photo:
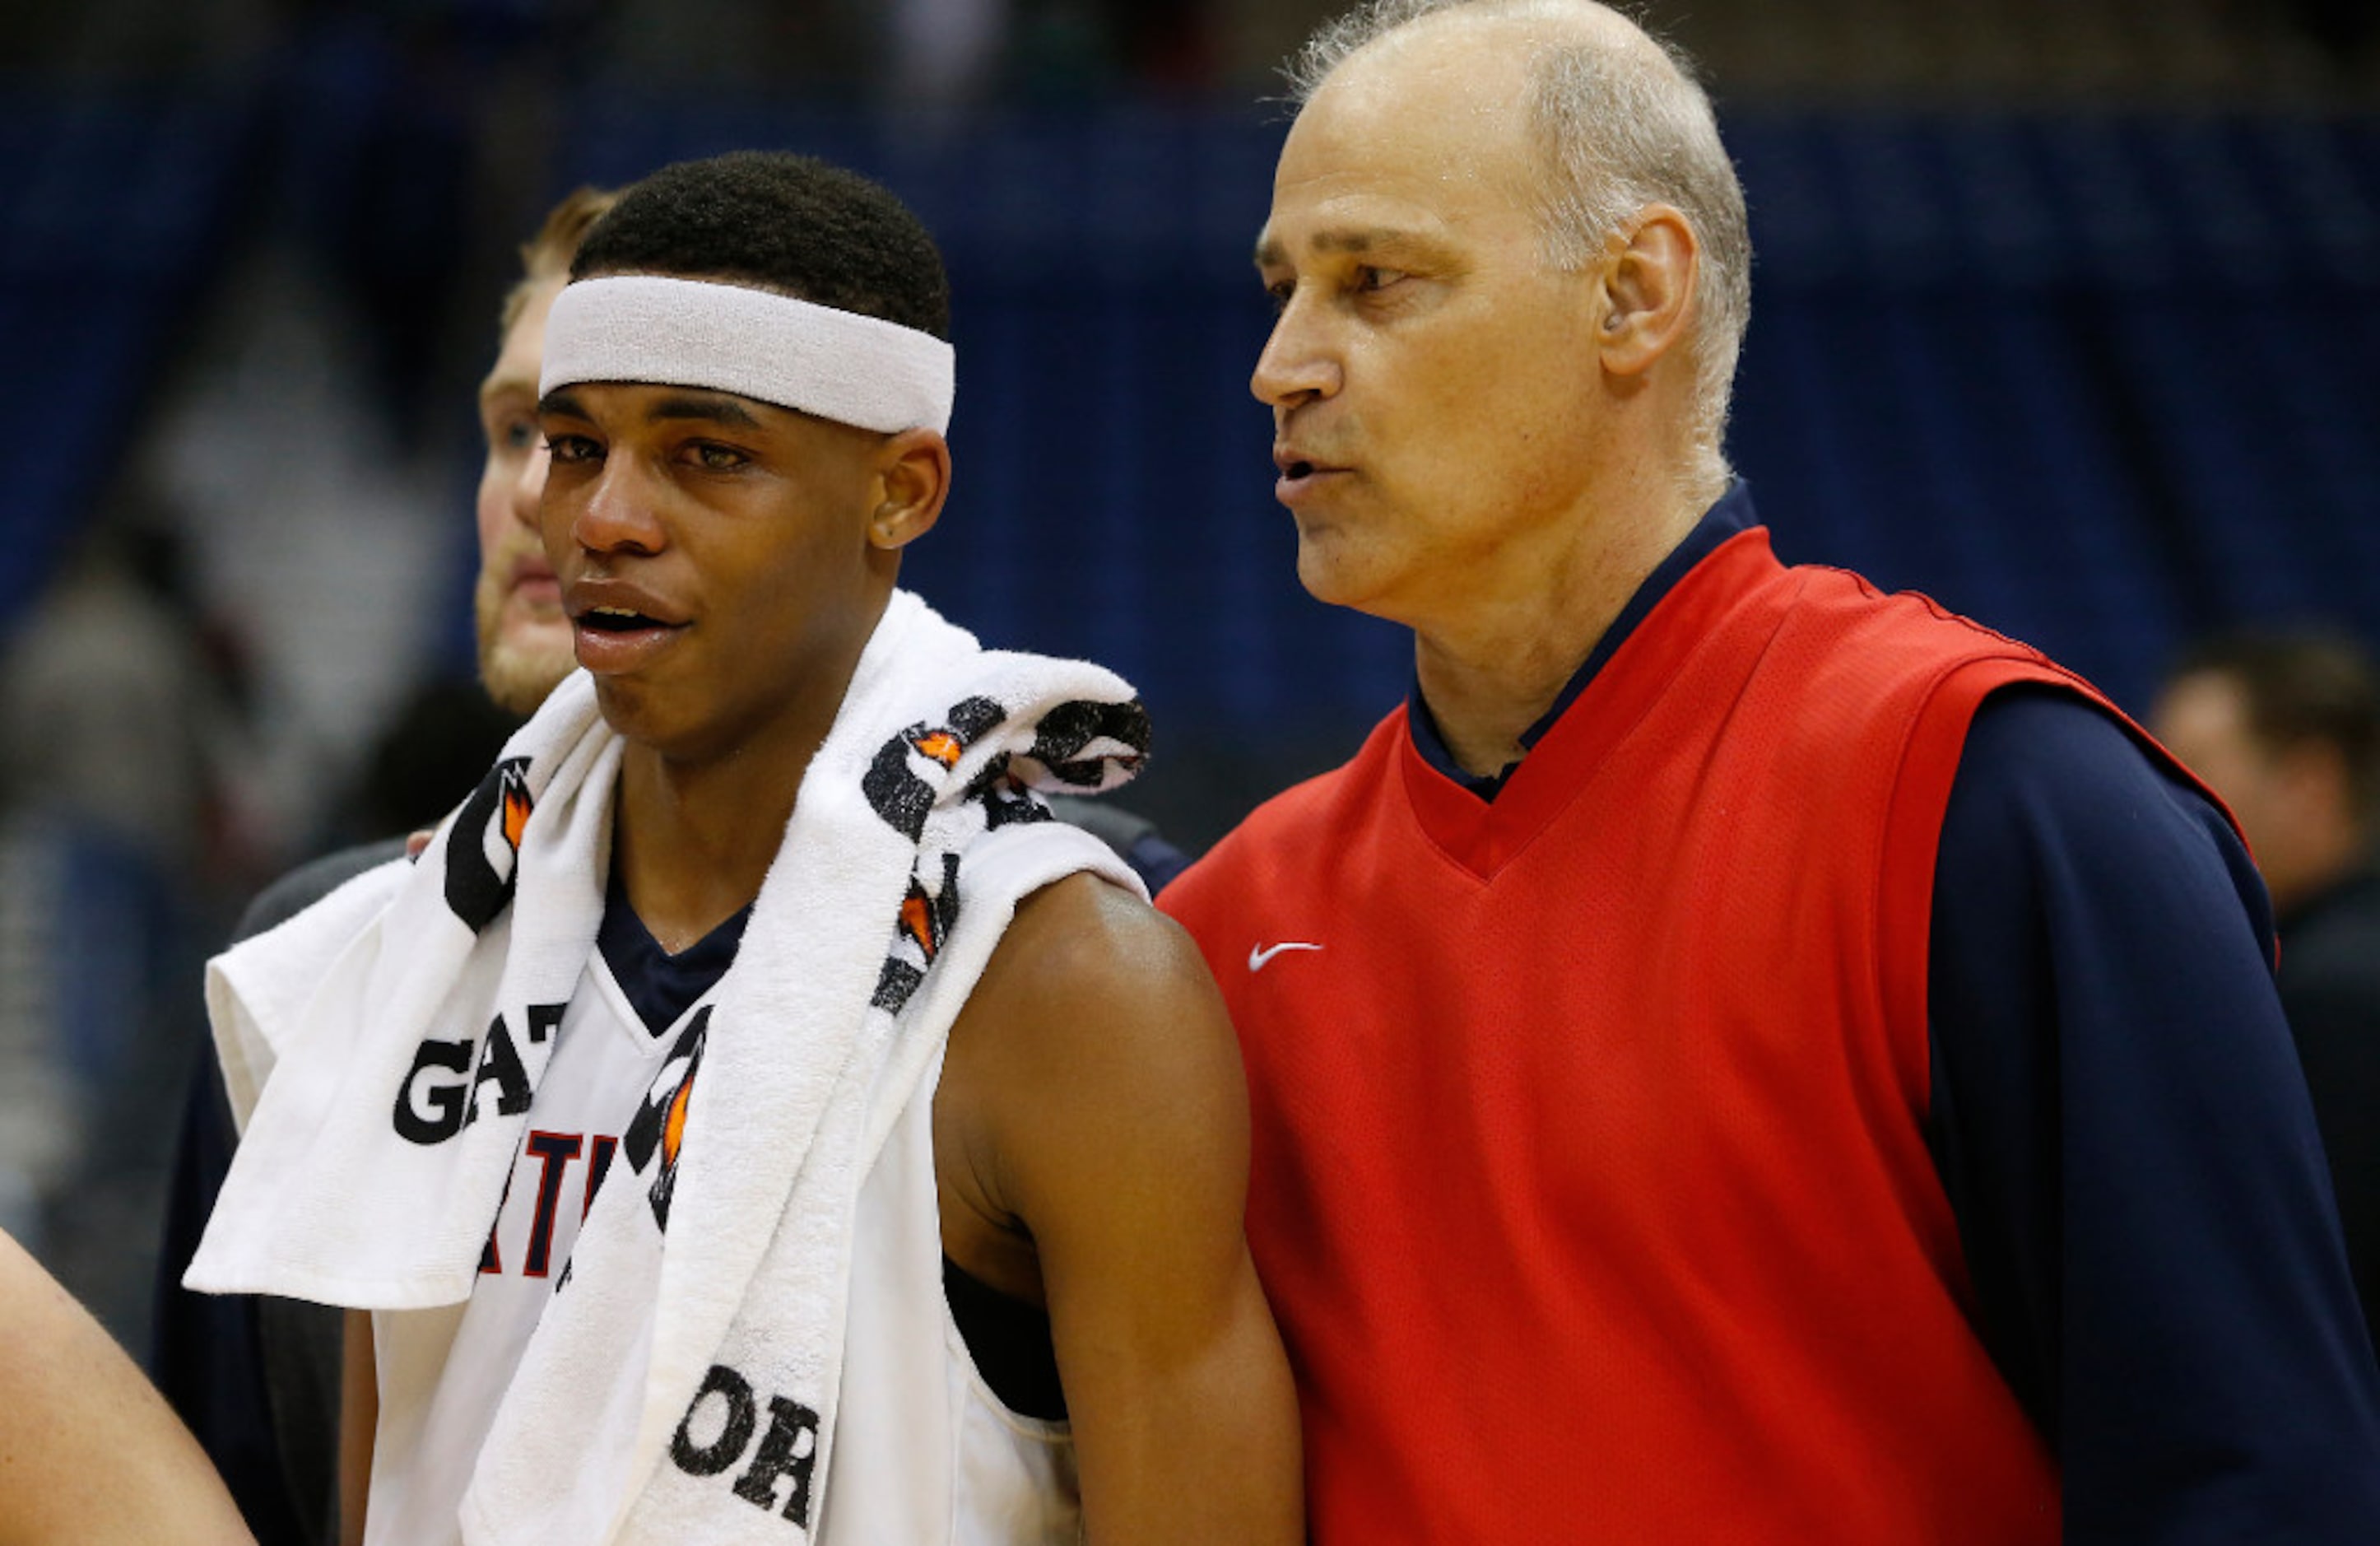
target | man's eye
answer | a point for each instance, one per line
(572, 448)
(718, 459)
(1280, 290)
(514, 432)
(1369, 278)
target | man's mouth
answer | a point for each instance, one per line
(1301, 476)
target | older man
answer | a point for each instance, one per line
(1737, 1056)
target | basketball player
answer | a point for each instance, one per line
(257, 1378)
(725, 543)
(1736, 1056)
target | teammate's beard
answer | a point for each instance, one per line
(518, 669)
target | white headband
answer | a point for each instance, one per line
(854, 369)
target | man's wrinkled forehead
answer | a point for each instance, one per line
(1390, 152)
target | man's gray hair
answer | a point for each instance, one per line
(1620, 128)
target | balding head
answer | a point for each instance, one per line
(1619, 124)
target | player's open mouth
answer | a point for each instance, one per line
(607, 619)
(615, 633)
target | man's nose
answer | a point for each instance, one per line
(1297, 362)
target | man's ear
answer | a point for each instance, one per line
(913, 478)
(1648, 286)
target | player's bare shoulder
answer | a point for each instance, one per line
(1095, 1037)
(1089, 975)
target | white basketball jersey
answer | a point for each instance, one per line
(1005, 1478)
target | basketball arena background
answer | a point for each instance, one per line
(2065, 311)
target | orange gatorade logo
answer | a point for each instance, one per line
(515, 794)
(656, 1138)
(484, 847)
(941, 745)
(898, 782)
(673, 1125)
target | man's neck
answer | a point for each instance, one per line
(1491, 670)
(690, 844)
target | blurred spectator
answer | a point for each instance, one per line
(947, 50)
(111, 724)
(107, 698)
(2286, 729)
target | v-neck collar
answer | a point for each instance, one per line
(1732, 516)
(1603, 705)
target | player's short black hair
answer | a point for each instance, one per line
(784, 222)
(2300, 686)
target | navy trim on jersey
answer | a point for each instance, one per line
(2121, 1127)
(658, 985)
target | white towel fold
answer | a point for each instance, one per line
(389, 1037)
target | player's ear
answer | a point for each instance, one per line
(913, 479)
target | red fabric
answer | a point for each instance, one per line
(1589, 1181)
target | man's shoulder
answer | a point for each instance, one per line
(310, 883)
(1880, 635)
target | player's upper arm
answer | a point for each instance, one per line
(1110, 1120)
(90, 1453)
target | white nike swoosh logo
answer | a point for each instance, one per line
(1258, 957)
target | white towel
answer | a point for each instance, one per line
(388, 1042)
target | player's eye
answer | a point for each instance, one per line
(1371, 279)
(567, 449)
(714, 457)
